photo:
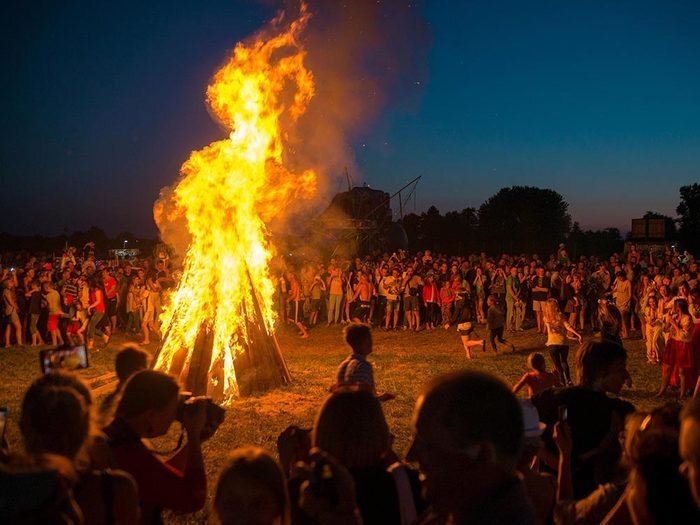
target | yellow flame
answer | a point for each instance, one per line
(228, 191)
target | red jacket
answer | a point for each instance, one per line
(160, 485)
(431, 293)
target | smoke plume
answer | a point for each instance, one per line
(365, 55)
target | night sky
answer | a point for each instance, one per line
(599, 100)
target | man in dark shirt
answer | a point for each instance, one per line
(467, 438)
(495, 321)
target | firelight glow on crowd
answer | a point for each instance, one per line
(551, 457)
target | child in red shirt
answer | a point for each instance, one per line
(537, 379)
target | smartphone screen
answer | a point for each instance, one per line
(3, 421)
(66, 358)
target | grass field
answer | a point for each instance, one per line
(403, 362)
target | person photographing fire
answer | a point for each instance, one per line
(150, 403)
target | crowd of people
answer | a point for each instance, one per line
(571, 455)
(648, 294)
(652, 295)
(78, 299)
(572, 452)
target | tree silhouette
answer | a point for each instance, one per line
(689, 217)
(524, 219)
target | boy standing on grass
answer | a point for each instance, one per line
(355, 370)
(496, 321)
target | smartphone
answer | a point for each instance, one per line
(65, 357)
(563, 413)
(3, 421)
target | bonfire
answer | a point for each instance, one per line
(218, 328)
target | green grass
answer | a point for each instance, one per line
(403, 363)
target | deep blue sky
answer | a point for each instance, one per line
(599, 100)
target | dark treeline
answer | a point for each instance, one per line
(519, 219)
(41, 244)
(524, 219)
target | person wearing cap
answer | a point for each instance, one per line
(540, 487)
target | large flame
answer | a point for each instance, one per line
(228, 191)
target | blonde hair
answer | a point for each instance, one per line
(552, 312)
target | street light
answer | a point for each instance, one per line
(125, 242)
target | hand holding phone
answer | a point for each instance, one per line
(66, 358)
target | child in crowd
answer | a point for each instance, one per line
(537, 379)
(466, 330)
(496, 321)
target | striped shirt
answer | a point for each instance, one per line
(355, 369)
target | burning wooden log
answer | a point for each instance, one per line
(259, 367)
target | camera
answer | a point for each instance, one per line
(214, 413)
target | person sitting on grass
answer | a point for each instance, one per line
(466, 330)
(537, 379)
(496, 321)
(355, 370)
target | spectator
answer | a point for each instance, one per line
(495, 322)
(11, 310)
(557, 328)
(622, 295)
(467, 439)
(541, 487)
(657, 492)
(147, 408)
(678, 357)
(595, 419)
(466, 331)
(537, 380)
(251, 490)
(55, 421)
(35, 297)
(96, 309)
(610, 322)
(539, 294)
(689, 447)
(352, 429)
(431, 300)
(355, 370)
(53, 302)
(129, 360)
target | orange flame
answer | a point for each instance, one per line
(227, 193)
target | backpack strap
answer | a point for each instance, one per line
(407, 504)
